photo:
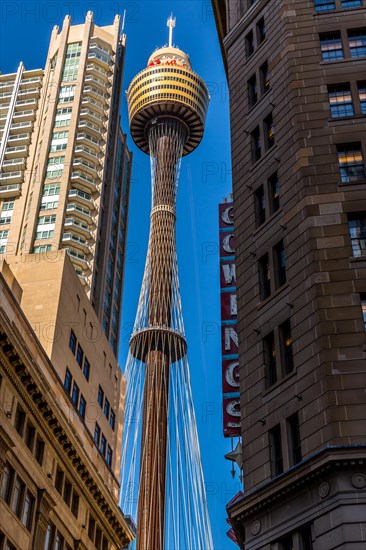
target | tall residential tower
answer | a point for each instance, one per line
(296, 72)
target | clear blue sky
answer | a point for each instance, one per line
(205, 180)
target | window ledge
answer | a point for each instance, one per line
(267, 221)
(273, 295)
(359, 261)
(279, 382)
(353, 186)
(346, 60)
(265, 155)
(346, 118)
(259, 100)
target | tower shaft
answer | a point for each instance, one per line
(166, 139)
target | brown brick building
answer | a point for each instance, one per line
(296, 72)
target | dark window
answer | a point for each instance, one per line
(269, 131)
(86, 369)
(261, 30)
(357, 231)
(20, 421)
(275, 446)
(286, 543)
(59, 480)
(260, 212)
(331, 46)
(107, 408)
(72, 342)
(68, 381)
(75, 504)
(274, 193)
(109, 456)
(104, 543)
(249, 43)
(324, 5)
(294, 440)
(264, 78)
(100, 396)
(306, 538)
(39, 452)
(286, 347)
(91, 528)
(363, 308)
(98, 538)
(351, 164)
(97, 435)
(80, 355)
(67, 492)
(112, 420)
(50, 537)
(82, 407)
(18, 496)
(279, 259)
(30, 435)
(252, 90)
(362, 96)
(7, 483)
(103, 445)
(264, 277)
(357, 42)
(256, 144)
(340, 100)
(269, 351)
(75, 394)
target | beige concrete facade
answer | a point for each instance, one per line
(74, 192)
(57, 490)
(296, 76)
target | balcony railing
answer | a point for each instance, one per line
(9, 191)
(15, 177)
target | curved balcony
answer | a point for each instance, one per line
(14, 128)
(25, 103)
(22, 116)
(82, 213)
(80, 227)
(94, 92)
(88, 170)
(96, 129)
(78, 258)
(19, 139)
(95, 80)
(91, 115)
(88, 139)
(82, 198)
(85, 181)
(87, 153)
(98, 59)
(11, 177)
(77, 241)
(11, 164)
(93, 68)
(94, 104)
(12, 152)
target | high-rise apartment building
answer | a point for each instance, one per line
(296, 73)
(65, 166)
(63, 215)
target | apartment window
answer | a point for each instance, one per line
(357, 42)
(112, 420)
(357, 231)
(75, 504)
(80, 355)
(256, 144)
(294, 440)
(100, 396)
(7, 483)
(362, 96)
(75, 394)
(30, 435)
(340, 100)
(59, 480)
(18, 495)
(97, 435)
(274, 193)
(72, 342)
(264, 78)
(86, 368)
(42, 249)
(91, 528)
(286, 543)
(82, 407)
(27, 517)
(331, 46)
(109, 456)
(68, 381)
(306, 538)
(252, 90)
(3, 240)
(269, 131)
(261, 30)
(106, 408)
(103, 445)
(269, 352)
(351, 164)
(363, 309)
(279, 258)
(260, 212)
(20, 421)
(322, 6)
(264, 277)
(6, 212)
(39, 451)
(275, 445)
(249, 43)
(351, 4)
(286, 347)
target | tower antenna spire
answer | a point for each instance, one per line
(171, 24)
